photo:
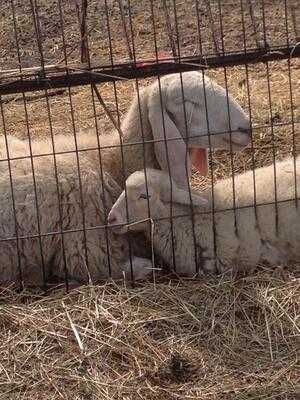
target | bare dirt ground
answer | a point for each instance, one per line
(216, 339)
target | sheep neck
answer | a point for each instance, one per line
(131, 153)
(174, 242)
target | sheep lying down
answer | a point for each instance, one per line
(52, 218)
(40, 209)
(242, 239)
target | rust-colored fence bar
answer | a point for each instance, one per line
(147, 69)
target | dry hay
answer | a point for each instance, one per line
(225, 338)
(230, 34)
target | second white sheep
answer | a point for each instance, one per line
(217, 241)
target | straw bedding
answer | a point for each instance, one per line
(223, 338)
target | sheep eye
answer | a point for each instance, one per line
(145, 196)
(192, 102)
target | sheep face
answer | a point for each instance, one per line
(209, 116)
(191, 112)
(148, 196)
(135, 206)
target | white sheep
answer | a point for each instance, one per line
(234, 240)
(88, 256)
(69, 184)
(208, 117)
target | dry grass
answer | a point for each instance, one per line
(216, 339)
(186, 26)
(224, 338)
(265, 141)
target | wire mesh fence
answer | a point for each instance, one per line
(84, 104)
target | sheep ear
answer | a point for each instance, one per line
(165, 131)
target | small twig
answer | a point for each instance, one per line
(76, 46)
(169, 29)
(37, 26)
(152, 251)
(81, 14)
(109, 114)
(93, 73)
(251, 6)
(34, 97)
(269, 336)
(52, 382)
(15, 72)
(130, 54)
(74, 329)
(212, 26)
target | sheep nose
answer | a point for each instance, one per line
(111, 218)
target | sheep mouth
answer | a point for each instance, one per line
(198, 157)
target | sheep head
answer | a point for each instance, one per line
(148, 195)
(190, 113)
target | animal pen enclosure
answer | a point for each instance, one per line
(72, 68)
(54, 55)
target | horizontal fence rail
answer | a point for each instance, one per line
(56, 77)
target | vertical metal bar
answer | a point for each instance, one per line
(212, 26)
(120, 137)
(36, 21)
(291, 102)
(130, 54)
(56, 178)
(140, 114)
(187, 138)
(75, 139)
(213, 208)
(229, 123)
(66, 280)
(251, 6)
(82, 12)
(271, 125)
(28, 130)
(197, 6)
(106, 209)
(20, 280)
(101, 178)
(169, 29)
(250, 113)
(165, 141)
(214, 229)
